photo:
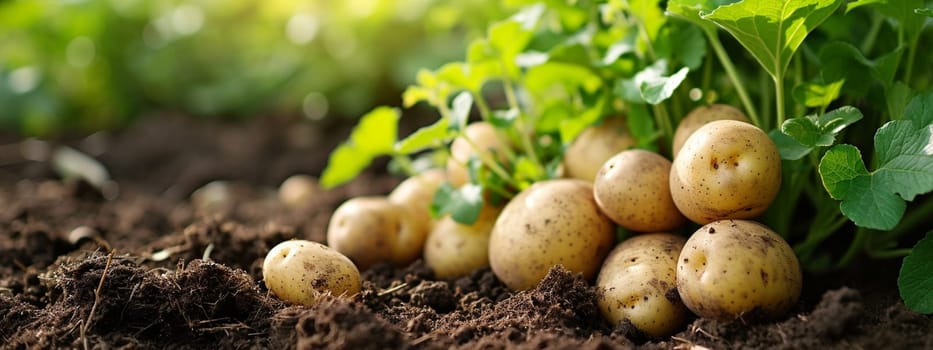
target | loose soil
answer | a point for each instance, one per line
(146, 268)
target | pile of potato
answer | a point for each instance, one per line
(725, 171)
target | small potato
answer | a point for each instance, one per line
(633, 189)
(455, 250)
(300, 272)
(594, 146)
(298, 190)
(417, 193)
(701, 116)
(369, 230)
(484, 137)
(731, 267)
(554, 222)
(636, 283)
(726, 170)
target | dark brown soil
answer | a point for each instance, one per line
(149, 269)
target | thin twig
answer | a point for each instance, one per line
(100, 286)
(393, 289)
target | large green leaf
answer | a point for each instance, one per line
(772, 30)
(915, 281)
(904, 154)
(374, 136)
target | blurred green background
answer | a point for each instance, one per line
(82, 65)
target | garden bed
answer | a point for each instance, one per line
(149, 269)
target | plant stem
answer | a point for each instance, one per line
(855, 247)
(664, 121)
(869, 42)
(484, 113)
(917, 216)
(911, 54)
(734, 76)
(405, 163)
(779, 96)
(524, 133)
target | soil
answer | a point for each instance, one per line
(142, 266)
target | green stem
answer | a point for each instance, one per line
(405, 163)
(485, 113)
(524, 133)
(889, 254)
(855, 247)
(734, 76)
(869, 42)
(911, 54)
(779, 96)
(708, 74)
(799, 109)
(664, 121)
(916, 217)
(484, 156)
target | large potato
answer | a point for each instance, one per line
(726, 170)
(633, 189)
(554, 222)
(417, 193)
(701, 116)
(594, 146)
(300, 272)
(637, 281)
(483, 135)
(731, 267)
(455, 250)
(369, 230)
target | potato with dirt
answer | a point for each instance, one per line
(594, 146)
(479, 140)
(633, 189)
(638, 283)
(300, 272)
(730, 268)
(553, 222)
(726, 170)
(455, 250)
(372, 229)
(701, 116)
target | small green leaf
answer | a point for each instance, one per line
(426, 137)
(460, 110)
(654, 87)
(772, 30)
(414, 94)
(374, 136)
(915, 280)
(504, 119)
(812, 131)
(924, 12)
(842, 61)
(789, 148)
(690, 10)
(904, 152)
(463, 204)
(641, 124)
(818, 95)
(527, 171)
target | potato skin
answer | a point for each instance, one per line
(635, 281)
(484, 137)
(701, 116)
(416, 194)
(369, 230)
(594, 146)
(633, 189)
(726, 170)
(552, 222)
(455, 250)
(731, 267)
(300, 272)
(298, 190)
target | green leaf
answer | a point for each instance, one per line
(649, 13)
(460, 110)
(787, 146)
(772, 30)
(425, 137)
(691, 10)
(902, 11)
(528, 172)
(915, 280)
(896, 98)
(504, 119)
(924, 12)
(641, 124)
(842, 61)
(374, 136)
(904, 152)
(655, 87)
(463, 204)
(812, 131)
(816, 94)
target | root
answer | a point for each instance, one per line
(100, 286)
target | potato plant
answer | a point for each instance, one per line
(538, 80)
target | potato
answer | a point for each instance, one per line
(726, 170)
(633, 189)
(483, 135)
(300, 272)
(594, 146)
(417, 193)
(369, 230)
(298, 190)
(455, 250)
(701, 116)
(553, 222)
(636, 284)
(729, 268)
